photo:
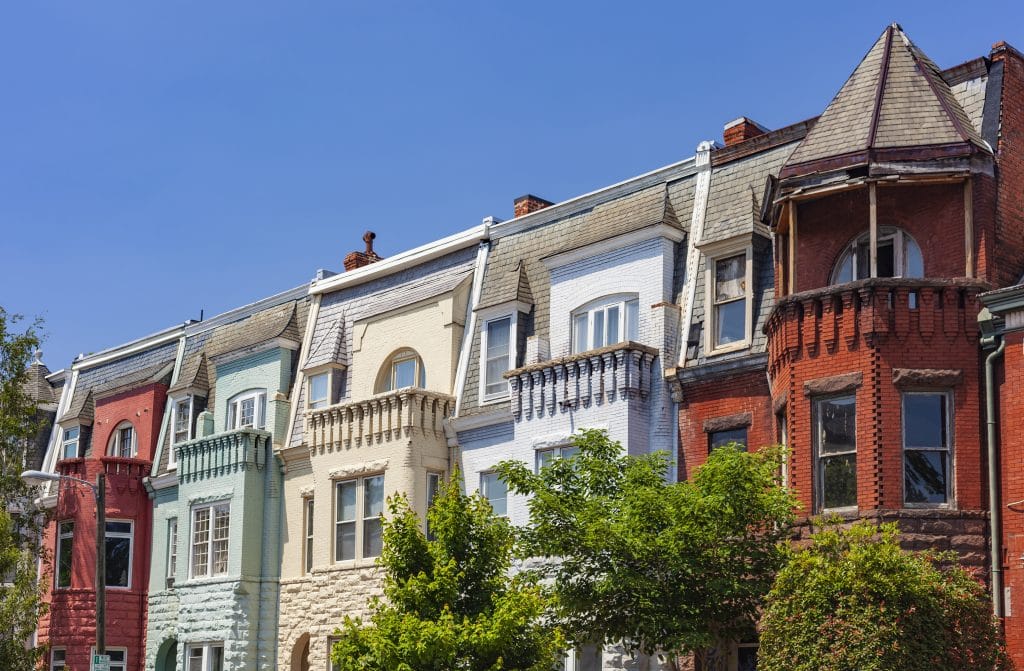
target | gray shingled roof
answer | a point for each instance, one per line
(277, 322)
(328, 347)
(36, 385)
(914, 106)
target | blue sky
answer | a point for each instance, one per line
(159, 159)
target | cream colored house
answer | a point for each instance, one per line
(376, 383)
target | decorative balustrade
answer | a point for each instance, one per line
(620, 371)
(382, 418)
(222, 454)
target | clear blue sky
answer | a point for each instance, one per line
(159, 158)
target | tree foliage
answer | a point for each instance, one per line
(20, 592)
(654, 565)
(854, 600)
(450, 602)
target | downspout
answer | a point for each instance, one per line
(993, 481)
(700, 207)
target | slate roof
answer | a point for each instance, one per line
(895, 98)
(37, 387)
(328, 347)
(280, 321)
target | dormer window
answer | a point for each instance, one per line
(122, 441)
(898, 256)
(606, 321)
(402, 369)
(247, 410)
(70, 442)
(319, 390)
(730, 300)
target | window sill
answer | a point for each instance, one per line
(492, 400)
(728, 349)
(345, 564)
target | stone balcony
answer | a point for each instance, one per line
(616, 372)
(383, 418)
(222, 454)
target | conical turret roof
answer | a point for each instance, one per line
(894, 107)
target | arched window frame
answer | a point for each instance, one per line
(388, 377)
(123, 441)
(857, 254)
(238, 410)
(597, 314)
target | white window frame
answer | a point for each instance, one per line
(331, 666)
(360, 519)
(484, 475)
(172, 550)
(307, 534)
(885, 233)
(67, 441)
(948, 449)
(189, 432)
(601, 305)
(259, 398)
(556, 451)
(213, 508)
(114, 447)
(713, 254)
(114, 665)
(317, 403)
(58, 664)
(130, 535)
(61, 536)
(819, 470)
(434, 479)
(206, 647)
(498, 396)
(387, 378)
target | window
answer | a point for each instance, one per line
(118, 658)
(172, 550)
(497, 357)
(898, 256)
(182, 420)
(319, 390)
(729, 301)
(402, 369)
(206, 657)
(65, 536)
(494, 490)
(70, 450)
(605, 322)
(331, 664)
(719, 438)
(746, 657)
(308, 526)
(926, 448)
(122, 442)
(433, 487)
(836, 443)
(210, 527)
(248, 410)
(118, 539)
(545, 456)
(58, 659)
(350, 511)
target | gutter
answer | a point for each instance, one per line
(996, 522)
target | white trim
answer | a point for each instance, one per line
(130, 535)
(165, 420)
(736, 247)
(164, 481)
(402, 261)
(469, 333)
(114, 447)
(212, 506)
(206, 647)
(613, 244)
(56, 431)
(497, 397)
(480, 420)
(83, 362)
(300, 373)
(259, 417)
(700, 206)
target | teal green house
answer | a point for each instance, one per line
(216, 490)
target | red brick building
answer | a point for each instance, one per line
(109, 423)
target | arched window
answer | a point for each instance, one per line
(122, 441)
(404, 368)
(605, 321)
(898, 256)
(248, 410)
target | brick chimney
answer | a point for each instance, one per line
(529, 203)
(740, 130)
(355, 260)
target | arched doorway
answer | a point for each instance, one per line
(167, 656)
(300, 654)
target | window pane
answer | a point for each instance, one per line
(844, 271)
(345, 541)
(124, 442)
(497, 355)
(373, 496)
(247, 412)
(924, 420)
(886, 258)
(221, 529)
(495, 492)
(200, 541)
(837, 425)
(597, 332)
(730, 274)
(925, 476)
(172, 548)
(195, 659)
(569, 452)
(216, 658)
(839, 481)
(118, 557)
(346, 501)
(633, 320)
(498, 337)
(719, 438)
(182, 420)
(64, 554)
(119, 527)
(309, 535)
(863, 259)
(612, 329)
(544, 458)
(318, 391)
(405, 373)
(914, 262)
(731, 322)
(372, 540)
(495, 371)
(579, 330)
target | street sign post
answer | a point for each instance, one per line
(100, 663)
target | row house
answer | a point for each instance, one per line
(216, 489)
(108, 419)
(375, 385)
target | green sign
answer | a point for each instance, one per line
(100, 663)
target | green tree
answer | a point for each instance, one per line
(20, 592)
(854, 600)
(659, 567)
(450, 602)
